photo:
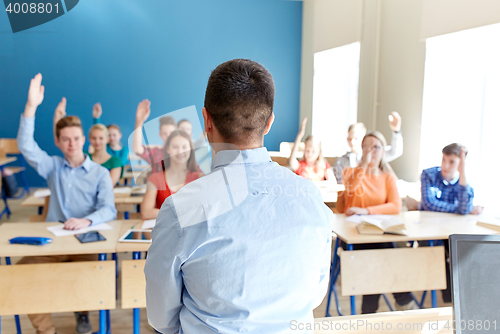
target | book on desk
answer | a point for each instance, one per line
(380, 224)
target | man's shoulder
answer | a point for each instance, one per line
(431, 173)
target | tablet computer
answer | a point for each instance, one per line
(136, 235)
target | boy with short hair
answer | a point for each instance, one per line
(81, 190)
(153, 155)
(445, 188)
(355, 135)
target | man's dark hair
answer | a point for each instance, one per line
(167, 120)
(454, 148)
(239, 99)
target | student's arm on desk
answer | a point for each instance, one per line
(465, 196)
(148, 206)
(34, 155)
(105, 209)
(163, 274)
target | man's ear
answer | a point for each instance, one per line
(207, 120)
(269, 124)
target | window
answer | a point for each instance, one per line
(462, 104)
(335, 96)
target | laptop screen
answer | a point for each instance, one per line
(475, 265)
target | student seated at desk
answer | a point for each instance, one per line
(81, 190)
(445, 188)
(356, 133)
(152, 155)
(179, 169)
(114, 147)
(371, 188)
(313, 166)
(99, 138)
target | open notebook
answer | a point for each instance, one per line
(378, 224)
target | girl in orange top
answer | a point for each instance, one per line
(313, 166)
(371, 189)
(179, 169)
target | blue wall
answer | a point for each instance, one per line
(119, 52)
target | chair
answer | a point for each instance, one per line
(8, 146)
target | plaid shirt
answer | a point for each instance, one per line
(442, 196)
(153, 156)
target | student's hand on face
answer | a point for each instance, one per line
(302, 130)
(143, 111)
(356, 211)
(395, 121)
(76, 223)
(477, 210)
(60, 110)
(97, 110)
(366, 159)
(35, 92)
(461, 165)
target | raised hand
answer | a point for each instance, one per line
(97, 110)
(60, 110)
(143, 111)
(35, 96)
(302, 130)
(461, 165)
(395, 121)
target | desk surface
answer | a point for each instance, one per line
(8, 160)
(38, 202)
(435, 321)
(420, 225)
(67, 245)
(131, 246)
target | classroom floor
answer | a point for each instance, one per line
(121, 320)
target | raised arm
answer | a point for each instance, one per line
(34, 155)
(396, 149)
(59, 114)
(97, 113)
(292, 161)
(141, 115)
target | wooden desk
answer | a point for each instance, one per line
(435, 321)
(420, 225)
(133, 280)
(57, 287)
(429, 226)
(59, 246)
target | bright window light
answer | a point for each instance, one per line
(462, 104)
(335, 96)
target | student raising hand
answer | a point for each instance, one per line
(35, 96)
(395, 121)
(97, 110)
(143, 111)
(59, 114)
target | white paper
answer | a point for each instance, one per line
(41, 193)
(122, 190)
(148, 223)
(59, 231)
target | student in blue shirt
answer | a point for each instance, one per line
(81, 190)
(245, 248)
(445, 188)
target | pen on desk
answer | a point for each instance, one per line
(61, 221)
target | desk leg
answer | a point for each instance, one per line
(40, 210)
(353, 298)
(102, 313)
(126, 215)
(333, 279)
(433, 292)
(137, 314)
(18, 322)
(6, 210)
